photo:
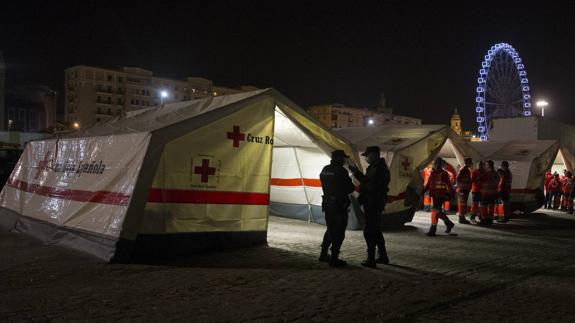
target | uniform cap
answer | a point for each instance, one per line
(338, 154)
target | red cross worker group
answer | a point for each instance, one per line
(490, 191)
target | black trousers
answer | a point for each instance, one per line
(336, 221)
(372, 230)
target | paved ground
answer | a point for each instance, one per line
(520, 271)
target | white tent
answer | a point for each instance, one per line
(408, 150)
(528, 162)
(188, 176)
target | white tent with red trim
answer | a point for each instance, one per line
(407, 151)
(528, 162)
(187, 176)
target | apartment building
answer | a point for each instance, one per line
(341, 116)
(94, 94)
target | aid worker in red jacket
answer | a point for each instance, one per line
(440, 189)
(504, 190)
(489, 193)
(463, 187)
(476, 177)
(567, 187)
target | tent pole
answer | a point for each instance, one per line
(310, 216)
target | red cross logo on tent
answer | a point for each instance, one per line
(405, 163)
(205, 170)
(237, 136)
(42, 165)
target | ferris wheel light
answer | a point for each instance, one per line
(481, 129)
(490, 52)
(527, 113)
(485, 64)
(520, 66)
(527, 105)
(482, 71)
(522, 73)
(483, 138)
(479, 99)
(517, 60)
(479, 89)
(524, 81)
(526, 97)
(479, 109)
(480, 80)
(525, 88)
(479, 119)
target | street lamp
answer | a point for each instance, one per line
(163, 95)
(542, 104)
(76, 125)
(370, 122)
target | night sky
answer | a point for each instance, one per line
(423, 55)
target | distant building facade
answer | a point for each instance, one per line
(94, 94)
(31, 108)
(458, 129)
(341, 116)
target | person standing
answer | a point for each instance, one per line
(336, 185)
(504, 190)
(567, 188)
(463, 187)
(488, 193)
(440, 189)
(373, 190)
(476, 178)
(548, 195)
(555, 189)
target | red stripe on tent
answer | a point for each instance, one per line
(103, 197)
(157, 195)
(311, 182)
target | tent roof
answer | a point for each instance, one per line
(388, 138)
(513, 150)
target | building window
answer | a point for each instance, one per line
(99, 100)
(120, 79)
(109, 100)
(119, 101)
(131, 101)
(109, 111)
(97, 119)
(109, 89)
(137, 102)
(109, 78)
(333, 116)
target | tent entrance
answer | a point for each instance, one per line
(295, 189)
(559, 164)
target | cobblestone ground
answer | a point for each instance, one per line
(520, 271)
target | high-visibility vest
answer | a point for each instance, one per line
(567, 185)
(505, 182)
(489, 184)
(555, 186)
(464, 180)
(476, 179)
(439, 184)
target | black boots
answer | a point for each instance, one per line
(335, 262)
(449, 225)
(370, 261)
(324, 256)
(462, 220)
(383, 258)
(432, 230)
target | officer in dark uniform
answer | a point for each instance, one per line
(373, 195)
(336, 185)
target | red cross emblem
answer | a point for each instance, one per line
(205, 170)
(237, 136)
(43, 165)
(405, 163)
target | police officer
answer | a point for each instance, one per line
(336, 185)
(373, 195)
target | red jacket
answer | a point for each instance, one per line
(567, 185)
(464, 180)
(505, 180)
(489, 184)
(439, 184)
(555, 185)
(476, 179)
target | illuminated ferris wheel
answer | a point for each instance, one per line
(502, 88)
